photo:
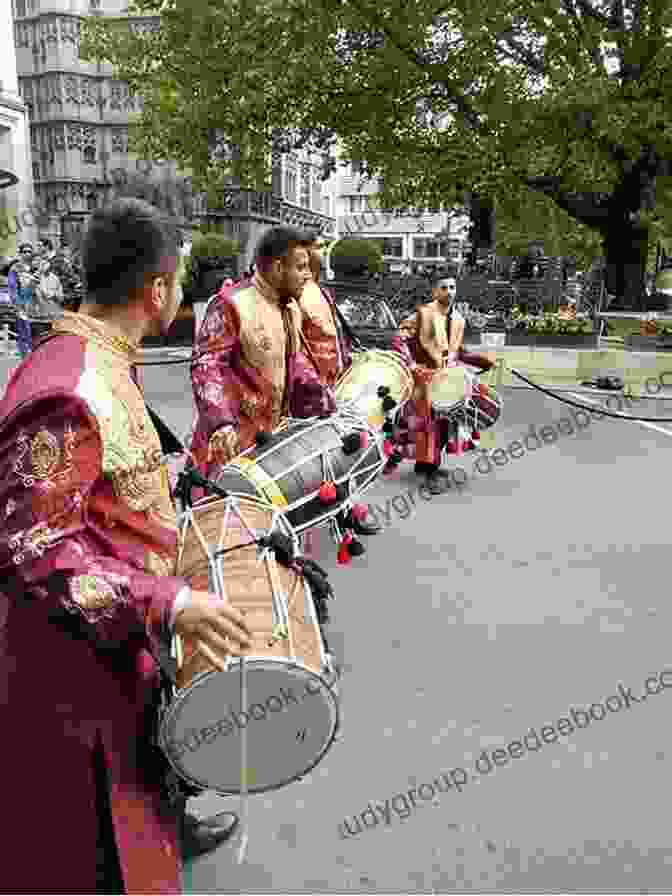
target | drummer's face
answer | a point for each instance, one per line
(295, 273)
(445, 291)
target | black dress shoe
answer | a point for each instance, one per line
(434, 484)
(361, 528)
(201, 835)
(348, 521)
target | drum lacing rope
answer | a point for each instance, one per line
(592, 409)
(283, 548)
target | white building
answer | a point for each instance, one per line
(16, 183)
(410, 237)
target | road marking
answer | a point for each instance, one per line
(644, 423)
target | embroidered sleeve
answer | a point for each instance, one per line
(50, 548)
(217, 381)
(309, 397)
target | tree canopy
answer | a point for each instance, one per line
(570, 99)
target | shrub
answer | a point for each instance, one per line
(356, 258)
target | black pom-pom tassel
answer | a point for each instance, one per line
(383, 391)
(281, 545)
(351, 443)
(262, 438)
(356, 548)
(388, 403)
(342, 492)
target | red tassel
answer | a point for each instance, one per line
(451, 447)
(388, 448)
(344, 557)
(364, 440)
(360, 512)
(468, 445)
(476, 436)
(327, 492)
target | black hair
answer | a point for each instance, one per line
(124, 242)
(278, 242)
(25, 246)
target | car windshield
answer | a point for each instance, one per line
(367, 312)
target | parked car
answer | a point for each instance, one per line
(370, 320)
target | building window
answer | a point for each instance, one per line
(393, 247)
(357, 204)
(36, 171)
(90, 155)
(290, 186)
(305, 186)
(429, 248)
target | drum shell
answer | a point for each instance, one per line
(303, 443)
(254, 584)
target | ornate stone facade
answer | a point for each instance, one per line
(79, 116)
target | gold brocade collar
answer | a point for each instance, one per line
(94, 330)
(269, 292)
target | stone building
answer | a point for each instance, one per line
(16, 183)
(79, 117)
(411, 238)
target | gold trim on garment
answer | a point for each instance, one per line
(94, 330)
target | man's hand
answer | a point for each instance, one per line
(223, 445)
(219, 629)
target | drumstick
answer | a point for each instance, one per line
(244, 770)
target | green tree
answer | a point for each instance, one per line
(568, 98)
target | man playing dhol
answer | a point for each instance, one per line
(248, 370)
(330, 347)
(88, 599)
(429, 339)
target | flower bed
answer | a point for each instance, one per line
(541, 330)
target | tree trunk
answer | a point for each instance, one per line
(626, 247)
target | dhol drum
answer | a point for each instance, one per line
(289, 470)
(449, 389)
(270, 718)
(357, 388)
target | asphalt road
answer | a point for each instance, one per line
(532, 590)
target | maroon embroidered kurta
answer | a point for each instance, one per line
(248, 370)
(88, 539)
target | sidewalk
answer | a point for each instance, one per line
(568, 367)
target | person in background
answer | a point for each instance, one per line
(22, 282)
(329, 346)
(428, 340)
(49, 286)
(45, 249)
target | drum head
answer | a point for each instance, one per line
(448, 388)
(291, 719)
(360, 383)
